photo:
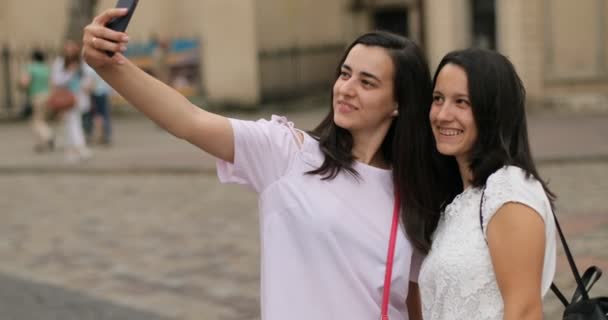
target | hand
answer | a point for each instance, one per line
(97, 39)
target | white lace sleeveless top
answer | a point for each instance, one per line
(457, 280)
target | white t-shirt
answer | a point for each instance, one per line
(323, 243)
(457, 280)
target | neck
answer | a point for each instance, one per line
(367, 148)
(465, 172)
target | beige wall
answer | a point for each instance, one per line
(3, 20)
(576, 75)
(605, 34)
(225, 29)
(285, 24)
(230, 50)
(554, 44)
(447, 26)
(559, 47)
(152, 17)
(519, 29)
(574, 37)
(26, 23)
(21, 34)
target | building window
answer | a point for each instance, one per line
(392, 19)
(484, 23)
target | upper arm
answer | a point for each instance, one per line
(212, 133)
(262, 151)
(516, 239)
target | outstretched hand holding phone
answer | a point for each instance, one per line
(159, 102)
(98, 40)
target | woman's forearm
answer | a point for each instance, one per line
(161, 103)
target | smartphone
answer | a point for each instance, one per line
(120, 23)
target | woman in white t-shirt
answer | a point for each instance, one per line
(493, 250)
(325, 197)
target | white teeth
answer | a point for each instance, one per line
(450, 132)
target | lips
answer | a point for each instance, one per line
(344, 106)
(449, 132)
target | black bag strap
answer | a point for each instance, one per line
(589, 278)
(581, 288)
(577, 276)
(559, 295)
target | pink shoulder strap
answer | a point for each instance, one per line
(390, 257)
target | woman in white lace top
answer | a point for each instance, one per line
(497, 261)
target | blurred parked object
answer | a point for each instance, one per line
(175, 62)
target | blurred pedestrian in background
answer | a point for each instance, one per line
(97, 122)
(35, 80)
(68, 71)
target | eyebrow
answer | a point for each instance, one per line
(459, 95)
(363, 73)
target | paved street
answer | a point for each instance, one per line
(144, 230)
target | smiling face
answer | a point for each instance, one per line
(451, 114)
(363, 95)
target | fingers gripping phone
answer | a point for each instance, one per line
(120, 23)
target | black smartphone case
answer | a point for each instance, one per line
(120, 24)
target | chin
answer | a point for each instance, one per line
(341, 122)
(447, 150)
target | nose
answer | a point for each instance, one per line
(445, 112)
(346, 87)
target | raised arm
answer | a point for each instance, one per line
(159, 102)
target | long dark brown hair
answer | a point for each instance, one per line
(412, 82)
(498, 104)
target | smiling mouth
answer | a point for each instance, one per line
(344, 106)
(450, 132)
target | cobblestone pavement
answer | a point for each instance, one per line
(145, 229)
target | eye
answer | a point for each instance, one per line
(368, 84)
(344, 74)
(437, 99)
(463, 102)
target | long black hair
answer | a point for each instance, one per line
(498, 99)
(425, 179)
(411, 88)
